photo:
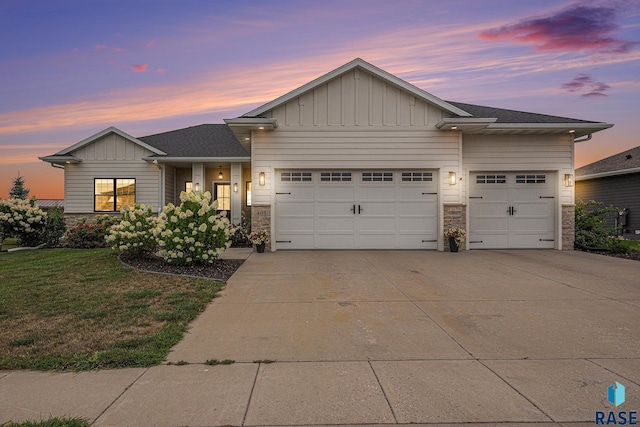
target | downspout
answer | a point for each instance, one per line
(587, 138)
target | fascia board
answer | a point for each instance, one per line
(164, 159)
(419, 93)
(107, 131)
(606, 174)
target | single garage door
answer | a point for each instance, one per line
(355, 209)
(511, 210)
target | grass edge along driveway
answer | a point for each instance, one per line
(71, 309)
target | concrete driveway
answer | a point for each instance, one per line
(373, 337)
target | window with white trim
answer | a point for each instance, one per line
(223, 196)
(377, 176)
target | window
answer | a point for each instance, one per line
(335, 176)
(188, 186)
(295, 176)
(223, 196)
(531, 179)
(491, 179)
(377, 176)
(248, 193)
(417, 176)
(111, 194)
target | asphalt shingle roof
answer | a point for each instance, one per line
(629, 159)
(512, 116)
(215, 140)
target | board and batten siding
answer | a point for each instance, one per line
(520, 153)
(355, 121)
(111, 156)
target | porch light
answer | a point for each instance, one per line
(261, 179)
(220, 176)
(235, 187)
(197, 187)
(454, 127)
(452, 178)
(568, 180)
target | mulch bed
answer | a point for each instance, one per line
(220, 270)
(632, 255)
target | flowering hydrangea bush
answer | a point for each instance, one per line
(135, 232)
(23, 219)
(192, 233)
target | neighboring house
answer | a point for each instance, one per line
(47, 204)
(356, 159)
(614, 181)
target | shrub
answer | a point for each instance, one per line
(55, 227)
(134, 233)
(591, 229)
(90, 234)
(192, 233)
(22, 219)
(240, 233)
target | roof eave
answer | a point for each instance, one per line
(252, 123)
(166, 159)
(60, 159)
(577, 129)
(358, 63)
(607, 174)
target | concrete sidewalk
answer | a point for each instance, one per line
(380, 337)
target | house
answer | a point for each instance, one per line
(614, 181)
(356, 159)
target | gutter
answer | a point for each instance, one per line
(586, 138)
(606, 174)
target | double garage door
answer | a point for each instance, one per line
(511, 210)
(356, 209)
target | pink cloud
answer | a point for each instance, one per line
(161, 70)
(578, 28)
(585, 82)
(151, 43)
(139, 68)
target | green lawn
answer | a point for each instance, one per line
(81, 309)
(9, 243)
(632, 245)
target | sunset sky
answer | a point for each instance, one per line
(71, 68)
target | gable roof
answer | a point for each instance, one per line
(203, 141)
(618, 164)
(358, 63)
(105, 132)
(66, 155)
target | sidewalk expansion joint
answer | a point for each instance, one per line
(127, 388)
(384, 393)
(253, 386)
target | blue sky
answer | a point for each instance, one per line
(72, 68)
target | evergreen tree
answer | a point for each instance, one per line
(18, 191)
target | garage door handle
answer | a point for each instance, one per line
(547, 197)
(353, 209)
(360, 209)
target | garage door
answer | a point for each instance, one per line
(372, 209)
(511, 210)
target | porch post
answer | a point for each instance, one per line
(236, 193)
(197, 176)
